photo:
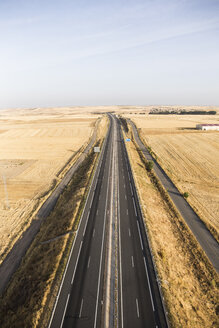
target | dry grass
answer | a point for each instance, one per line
(188, 280)
(189, 157)
(102, 127)
(34, 146)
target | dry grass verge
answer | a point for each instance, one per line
(30, 296)
(189, 282)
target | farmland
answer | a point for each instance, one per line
(188, 282)
(189, 157)
(34, 147)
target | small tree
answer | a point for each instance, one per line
(149, 166)
(186, 195)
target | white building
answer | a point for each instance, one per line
(207, 127)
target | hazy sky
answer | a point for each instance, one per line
(92, 52)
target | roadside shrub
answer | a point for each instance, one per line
(149, 166)
(186, 195)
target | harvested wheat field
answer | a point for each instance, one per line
(34, 147)
(188, 282)
(190, 158)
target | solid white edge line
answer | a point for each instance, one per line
(140, 235)
(76, 262)
(88, 263)
(92, 199)
(131, 188)
(149, 286)
(66, 304)
(66, 268)
(120, 257)
(134, 206)
(85, 225)
(81, 308)
(137, 308)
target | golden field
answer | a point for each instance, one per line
(31, 293)
(34, 147)
(188, 282)
(189, 157)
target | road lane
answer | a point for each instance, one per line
(137, 306)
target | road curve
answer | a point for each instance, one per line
(198, 228)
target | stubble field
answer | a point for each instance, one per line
(188, 282)
(34, 147)
(189, 157)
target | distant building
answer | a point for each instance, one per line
(207, 127)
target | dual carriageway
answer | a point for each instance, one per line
(109, 280)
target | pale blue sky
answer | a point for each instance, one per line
(90, 52)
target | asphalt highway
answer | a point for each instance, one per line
(81, 300)
(140, 301)
(202, 234)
